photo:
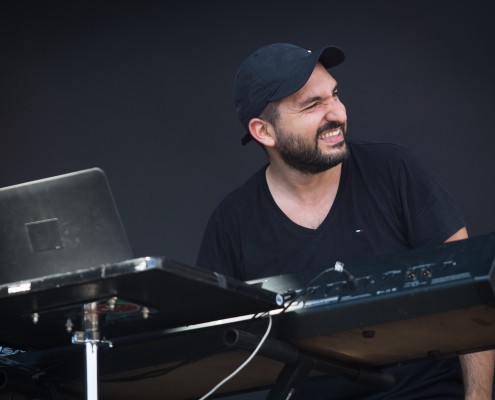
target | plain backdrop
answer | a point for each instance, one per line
(143, 90)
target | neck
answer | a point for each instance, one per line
(303, 188)
(304, 199)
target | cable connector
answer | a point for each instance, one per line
(339, 266)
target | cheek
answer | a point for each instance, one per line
(308, 123)
(342, 112)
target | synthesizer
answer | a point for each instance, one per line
(431, 302)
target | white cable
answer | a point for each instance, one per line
(253, 354)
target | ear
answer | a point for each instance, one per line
(262, 131)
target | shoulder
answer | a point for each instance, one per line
(383, 156)
(380, 150)
(389, 166)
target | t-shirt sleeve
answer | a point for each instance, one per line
(216, 252)
(430, 213)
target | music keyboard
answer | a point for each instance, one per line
(408, 305)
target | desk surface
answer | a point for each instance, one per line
(172, 293)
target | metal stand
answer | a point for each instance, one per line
(290, 381)
(90, 337)
(300, 363)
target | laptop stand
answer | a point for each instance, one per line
(156, 293)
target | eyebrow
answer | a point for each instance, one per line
(315, 98)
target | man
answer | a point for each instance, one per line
(324, 198)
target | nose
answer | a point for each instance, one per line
(336, 111)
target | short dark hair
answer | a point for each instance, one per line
(270, 112)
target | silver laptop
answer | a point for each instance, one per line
(59, 224)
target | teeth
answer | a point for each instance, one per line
(330, 134)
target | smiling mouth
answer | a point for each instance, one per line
(329, 134)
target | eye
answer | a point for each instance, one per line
(311, 106)
(335, 93)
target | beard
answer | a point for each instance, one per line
(305, 156)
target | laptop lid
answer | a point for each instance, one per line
(59, 224)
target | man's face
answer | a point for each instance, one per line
(311, 126)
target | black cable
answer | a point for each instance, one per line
(339, 267)
(149, 374)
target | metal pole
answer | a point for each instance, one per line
(91, 370)
(91, 339)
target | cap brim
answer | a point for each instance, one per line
(246, 139)
(330, 56)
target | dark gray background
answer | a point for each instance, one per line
(143, 90)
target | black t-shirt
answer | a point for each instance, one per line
(388, 200)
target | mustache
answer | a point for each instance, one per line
(330, 126)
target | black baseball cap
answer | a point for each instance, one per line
(273, 72)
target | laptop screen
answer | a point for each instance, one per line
(59, 224)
